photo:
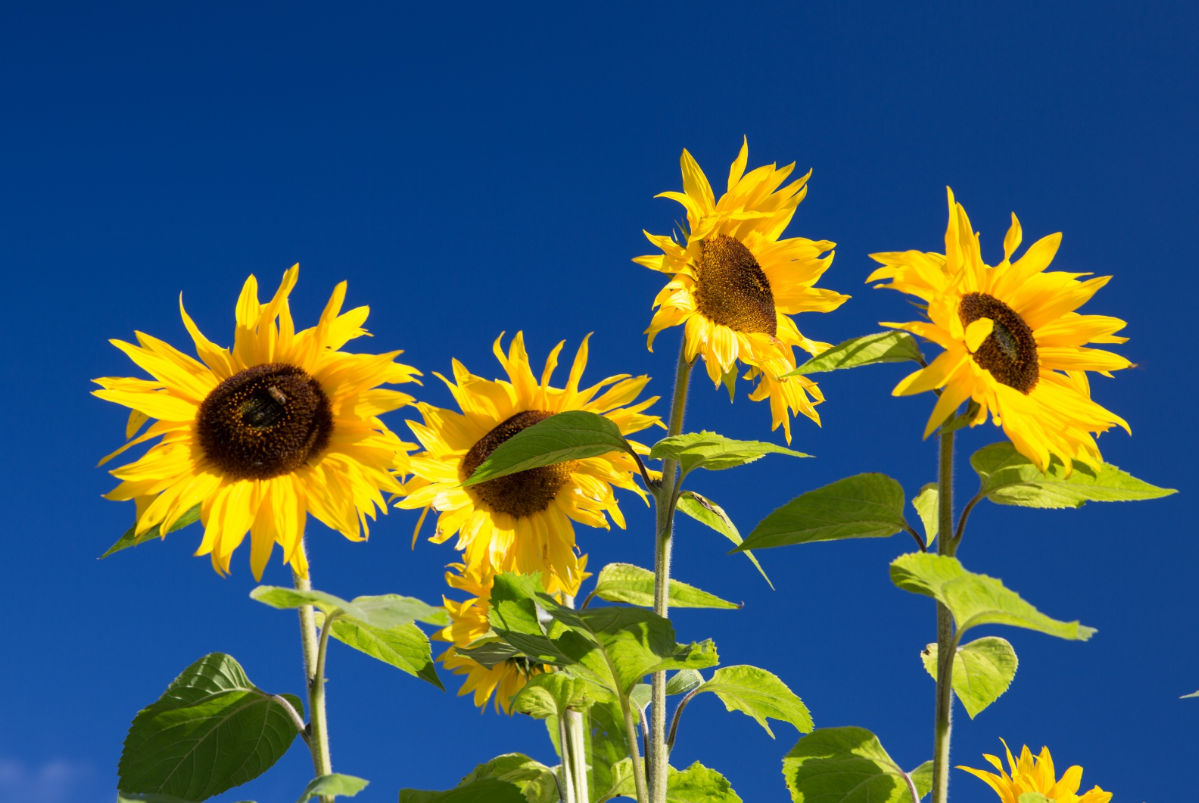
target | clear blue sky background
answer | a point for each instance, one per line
(474, 169)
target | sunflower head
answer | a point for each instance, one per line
(734, 283)
(283, 425)
(468, 624)
(1013, 341)
(1035, 774)
(522, 522)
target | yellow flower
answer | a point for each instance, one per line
(1035, 774)
(522, 522)
(284, 425)
(468, 624)
(1013, 341)
(734, 283)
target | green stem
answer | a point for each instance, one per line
(630, 731)
(576, 734)
(567, 769)
(314, 671)
(666, 500)
(946, 545)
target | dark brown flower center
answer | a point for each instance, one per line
(1010, 351)
(522, 493)
(731, 288)
(264, 422)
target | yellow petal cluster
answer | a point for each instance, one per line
(340, 482)
(522, 524)
(1012, 338)
(734, 282)
(1036, 774)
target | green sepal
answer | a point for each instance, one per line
(131, 539)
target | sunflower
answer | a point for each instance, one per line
(1013, 341)
(1035, 774)
(284, 425)
(468, 624)
(522, 522)
(734, 283)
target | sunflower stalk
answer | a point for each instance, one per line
(314, 672)
(566, 779)
(667, 498)
(946, 643)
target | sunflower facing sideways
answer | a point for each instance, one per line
(1035, 774)
(468, 624)
(1013, 341)
(734, 283)
(522, 522)
(283, 425)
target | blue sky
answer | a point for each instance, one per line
(471, 170)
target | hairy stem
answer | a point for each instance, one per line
(314, 672)
(946, 545)
(630, 731)
(567, 784)
(576, 733)
(667, 498)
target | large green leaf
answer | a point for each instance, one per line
(1010, 478)
(130, 539)
(982, 671)
(333, 786)
(607, 745)
(696, 784)
(513, 617)
(844, 765)
(486, 790)
(925, 504)
(683, 681)
(705, 511)
(535, 780)
(713, 452)
(210, 731)
(572, 435)
(760, 694)
(623, 582)
(553, 693)
(405, 647)
(862, 506)
(975, 599)
(922, 778)
(893, 346)
(384, 611)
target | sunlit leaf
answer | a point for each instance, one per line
(760, 694)
(844, 765)
(862, 506)
(982, 671)
(707, 512)
(130, 539)
(714, 452)
(623, 582)
(573, 435)
(925, 504)
(893, 346)
(333, 786)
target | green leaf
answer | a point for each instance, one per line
(893, 346)
(1192, 694)
(405, 647)
(705, 511)
(573, 435)
(1033, 797)
(922, 778)
(127, 798)
(982, 671)
(333, 786)
(641, 695)
(130, 539)
(975, 599)
(1010, 478)
(607, 746)
(210, 731)
(696, 784)
(843, 765)
(513, 617)
(683, 681)
(553, 693)
(759, 694)
(926, 508)
(862, 506)
(713, 452)
(385, 611)
(535, 780)
(623, 582)
(487, 790)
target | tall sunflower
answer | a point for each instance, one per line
(1035, 774)
(734, 282)
(522, 522)
(468, 624)
(283, 425)
(1013, 341)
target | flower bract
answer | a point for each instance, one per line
(522, 522)
(283, 425)
(1035, 774)
(1012, 338)
(734, 283)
